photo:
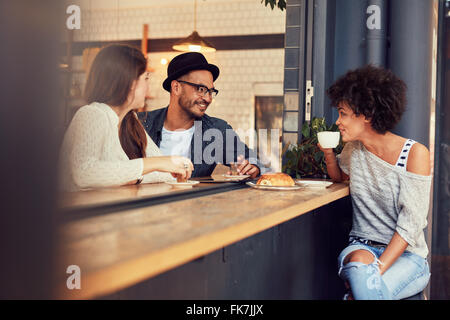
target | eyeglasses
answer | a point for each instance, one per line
(201, 89)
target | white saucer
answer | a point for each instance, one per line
(187, 184)
(313, 183)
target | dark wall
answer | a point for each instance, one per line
(323, 56)
(28, 139)
(411, 43)
(403, 44)
(440, 258)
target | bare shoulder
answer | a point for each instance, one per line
(419, 160)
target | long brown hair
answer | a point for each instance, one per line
(110, 80)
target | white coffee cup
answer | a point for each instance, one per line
(328, 139)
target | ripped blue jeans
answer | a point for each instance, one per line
(407, 276)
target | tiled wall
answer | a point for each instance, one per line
(123, 19)
(240, 70)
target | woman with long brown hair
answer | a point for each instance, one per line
(105, 144)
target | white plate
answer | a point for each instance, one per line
(313, 183)
(186, 184)
(236, 177)
(257, 186)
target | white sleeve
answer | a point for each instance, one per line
(86, 137)
(152, 150)
(413, 202)
(345, 156)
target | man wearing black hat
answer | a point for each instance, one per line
(183, 128)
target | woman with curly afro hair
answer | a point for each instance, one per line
(390, 186)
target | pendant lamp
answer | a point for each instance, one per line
(194, 42)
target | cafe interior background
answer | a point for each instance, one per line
(250, 53)
(260, 59)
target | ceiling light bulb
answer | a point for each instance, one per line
(195, 48)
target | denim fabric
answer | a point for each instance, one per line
(407, 276)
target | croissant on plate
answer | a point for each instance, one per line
(277, 179)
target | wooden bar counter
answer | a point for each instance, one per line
(120, 249)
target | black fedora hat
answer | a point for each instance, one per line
(186, 62)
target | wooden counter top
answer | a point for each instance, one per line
(120, 249)
(119, 195)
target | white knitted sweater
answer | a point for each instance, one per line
(91, 154)
(386, 198)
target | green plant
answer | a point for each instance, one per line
(305, 159)
(281, 4)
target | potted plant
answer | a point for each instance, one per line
(281, 4)
(305, 159)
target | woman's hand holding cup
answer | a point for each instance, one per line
(327, 141)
